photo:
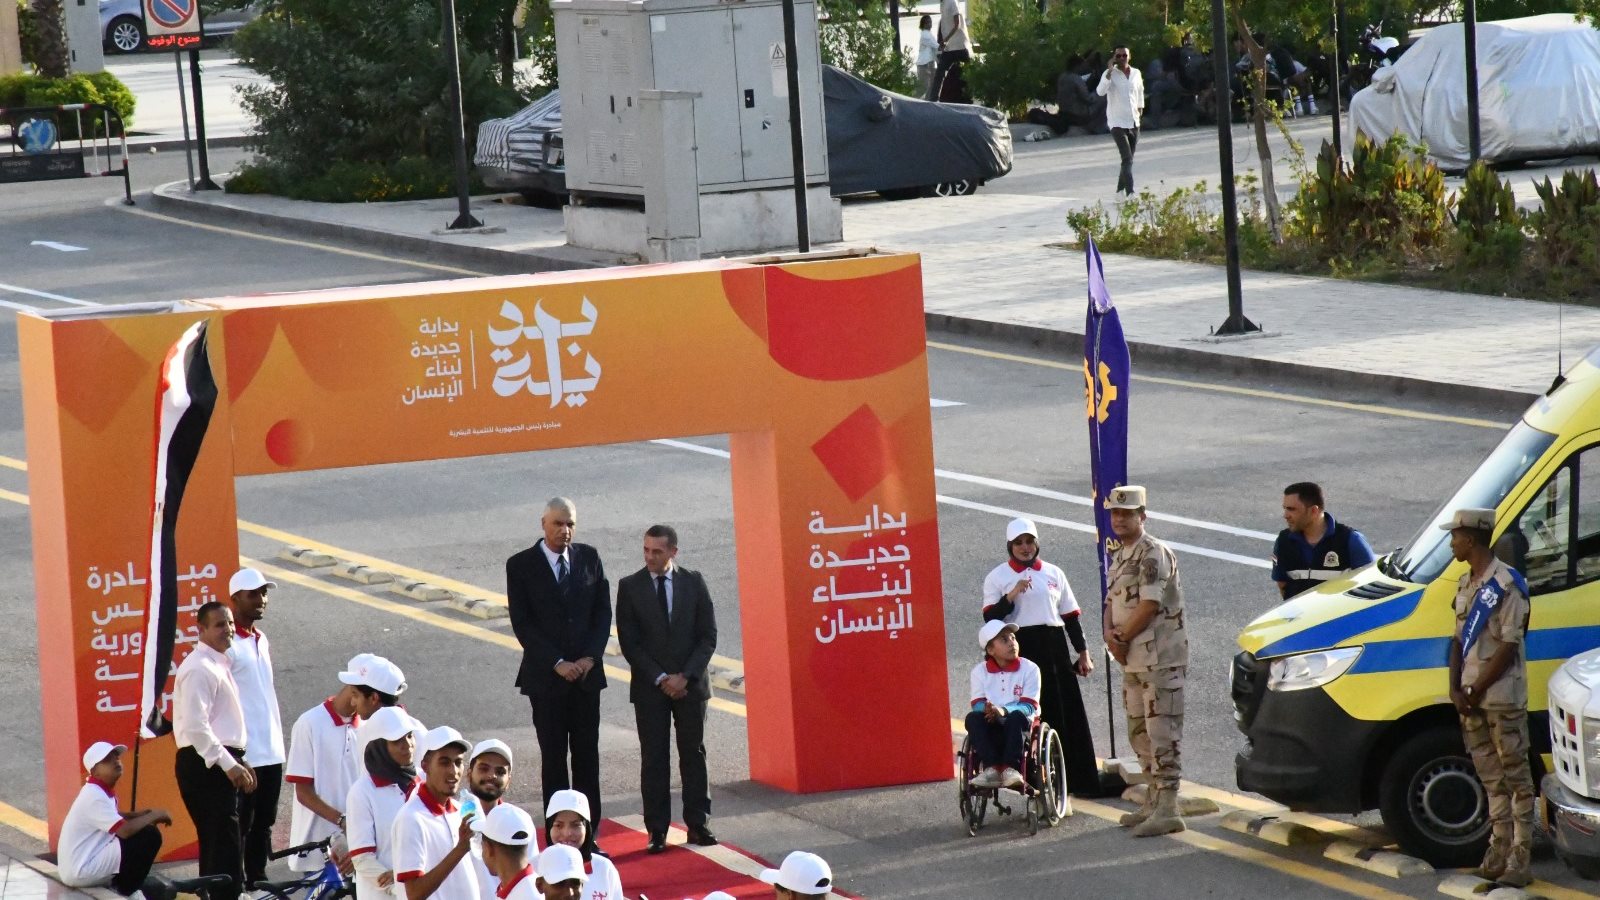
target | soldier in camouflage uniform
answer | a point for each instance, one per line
(1144, 630)
(1489, 687)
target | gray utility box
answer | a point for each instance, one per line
(730, 53)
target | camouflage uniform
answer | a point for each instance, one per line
(1158, 657)
(1496, 734)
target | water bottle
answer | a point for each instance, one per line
(468, 802)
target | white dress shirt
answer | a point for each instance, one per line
(1124, 97)
(927, 48)
(551, 556)
(251, 658)
(955, 36)
(206, 713)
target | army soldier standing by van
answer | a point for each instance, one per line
(1489, 687)
(1144, 630)
(1314, 548)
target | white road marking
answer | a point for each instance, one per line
(47, 295)
(56, 245)
(1223, 555)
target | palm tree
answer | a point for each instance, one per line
(54, 60)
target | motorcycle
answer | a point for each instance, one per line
(1374, 51)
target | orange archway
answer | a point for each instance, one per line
(816, 368)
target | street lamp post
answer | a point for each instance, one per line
(1338, 90)
(1470, 35)
(797, 144)
(1236, 322)
(452, 55)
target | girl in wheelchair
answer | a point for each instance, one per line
(1005, 703)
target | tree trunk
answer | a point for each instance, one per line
(55, 60)
(508, 47)
(1258, 93)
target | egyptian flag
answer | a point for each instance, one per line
(188, 396)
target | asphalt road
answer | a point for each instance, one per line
(1215, 451)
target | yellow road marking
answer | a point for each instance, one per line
(1334, 880)
(35, 828)
(292, 242)
(10, 463)
(14, 497)
(1230, 389)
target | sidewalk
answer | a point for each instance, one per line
(988, 268)
(24, 877)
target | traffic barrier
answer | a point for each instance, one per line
(35, 150)
(1271, 828)
(1381, 862)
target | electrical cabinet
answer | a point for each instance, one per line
(730, 53)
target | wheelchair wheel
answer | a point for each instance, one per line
(1053, 800)
(973, 802)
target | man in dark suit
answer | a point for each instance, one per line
(668, 632)
(560, 604)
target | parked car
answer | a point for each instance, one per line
(1537, 93)
(878, 141)
(122, 24)
(1569, 802)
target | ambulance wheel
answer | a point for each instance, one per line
(1432, 800)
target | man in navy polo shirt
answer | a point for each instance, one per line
(1314, 548)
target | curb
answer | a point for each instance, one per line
(500, 261)
(361, 574)
(1272, 829)
(47, 869)
(226, 142)
(1471, 887)
(476, 607)
(1219, 364)
(1379, 862)
(306, 557)
(420, 591)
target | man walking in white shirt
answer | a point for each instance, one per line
(251, 658)
(209, 728)
(1123, 87)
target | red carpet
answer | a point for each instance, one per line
(676, 874)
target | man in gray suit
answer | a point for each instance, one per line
(668, 632)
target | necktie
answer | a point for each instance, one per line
(661, 596)
(561, 569)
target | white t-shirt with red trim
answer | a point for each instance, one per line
(604, 883)
(1047, 601)
(370, 809)
(322, 754)
(424, 833)
(525, 886)
(89, 851)
(250, 660)
(1004, 685)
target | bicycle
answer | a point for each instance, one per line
(326, 884)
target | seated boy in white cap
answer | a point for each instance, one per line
(566, 822)
(562, 874)
(506, 832)
(1005, 701)
(99, 845)
(802, 876)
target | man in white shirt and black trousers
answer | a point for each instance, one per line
(1123, 87)
(209, 728)
(1034, 595)
(251, 658)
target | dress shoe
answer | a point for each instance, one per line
(702, 837)
(658, 844)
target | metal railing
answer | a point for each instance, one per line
(36, 148)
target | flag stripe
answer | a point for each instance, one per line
(1106, 370)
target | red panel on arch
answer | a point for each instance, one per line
(834, 330)
(858, 452)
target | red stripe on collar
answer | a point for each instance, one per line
(434, 804)
(337, 719)
(110, 791)
(992, 666)
(1036, 565)
(505, 888)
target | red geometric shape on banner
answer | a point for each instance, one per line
(857, 452)
(833, 330)
(91, 402)
(288, 442)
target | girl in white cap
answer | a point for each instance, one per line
(566, 822)
(389, 745)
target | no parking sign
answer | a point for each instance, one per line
(171, 24)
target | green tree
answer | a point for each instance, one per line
(857, 37)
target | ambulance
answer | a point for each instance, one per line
(1342, 692)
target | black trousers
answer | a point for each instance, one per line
(258, 812)
(213, 803)
(998, 743)
(139, 852)
(1127, 141)
(947, 60)
(1061, 702)
(569, 720)
(656, 719)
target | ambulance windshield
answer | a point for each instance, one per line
(1421, 561)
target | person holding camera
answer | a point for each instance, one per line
(1123, 87)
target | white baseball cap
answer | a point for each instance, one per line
(991, 630)
(376, 672)
(1019, 527)
(442, 737)
(505, 824)
(98, 751)
(567, 800)
(248, 580)
(390, 723)
(801, 872)
(492, 745)
(558, 863)
(718, 895)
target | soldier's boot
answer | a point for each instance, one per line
(1518, 869)
(1138, 816)
(1494, 861)
(1164, 817)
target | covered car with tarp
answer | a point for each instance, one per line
(1538, 92)
(898, 146)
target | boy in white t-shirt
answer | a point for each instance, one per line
(565, 876)
(100, 845)
(1005, 701)
(431, 838)
(506, 832)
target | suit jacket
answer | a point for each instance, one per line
(558, 622)
(654, 646)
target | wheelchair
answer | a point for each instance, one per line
(1044, 790)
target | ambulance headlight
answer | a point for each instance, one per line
(1309, 670)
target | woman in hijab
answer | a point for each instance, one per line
(566, 821)
(390, 743)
